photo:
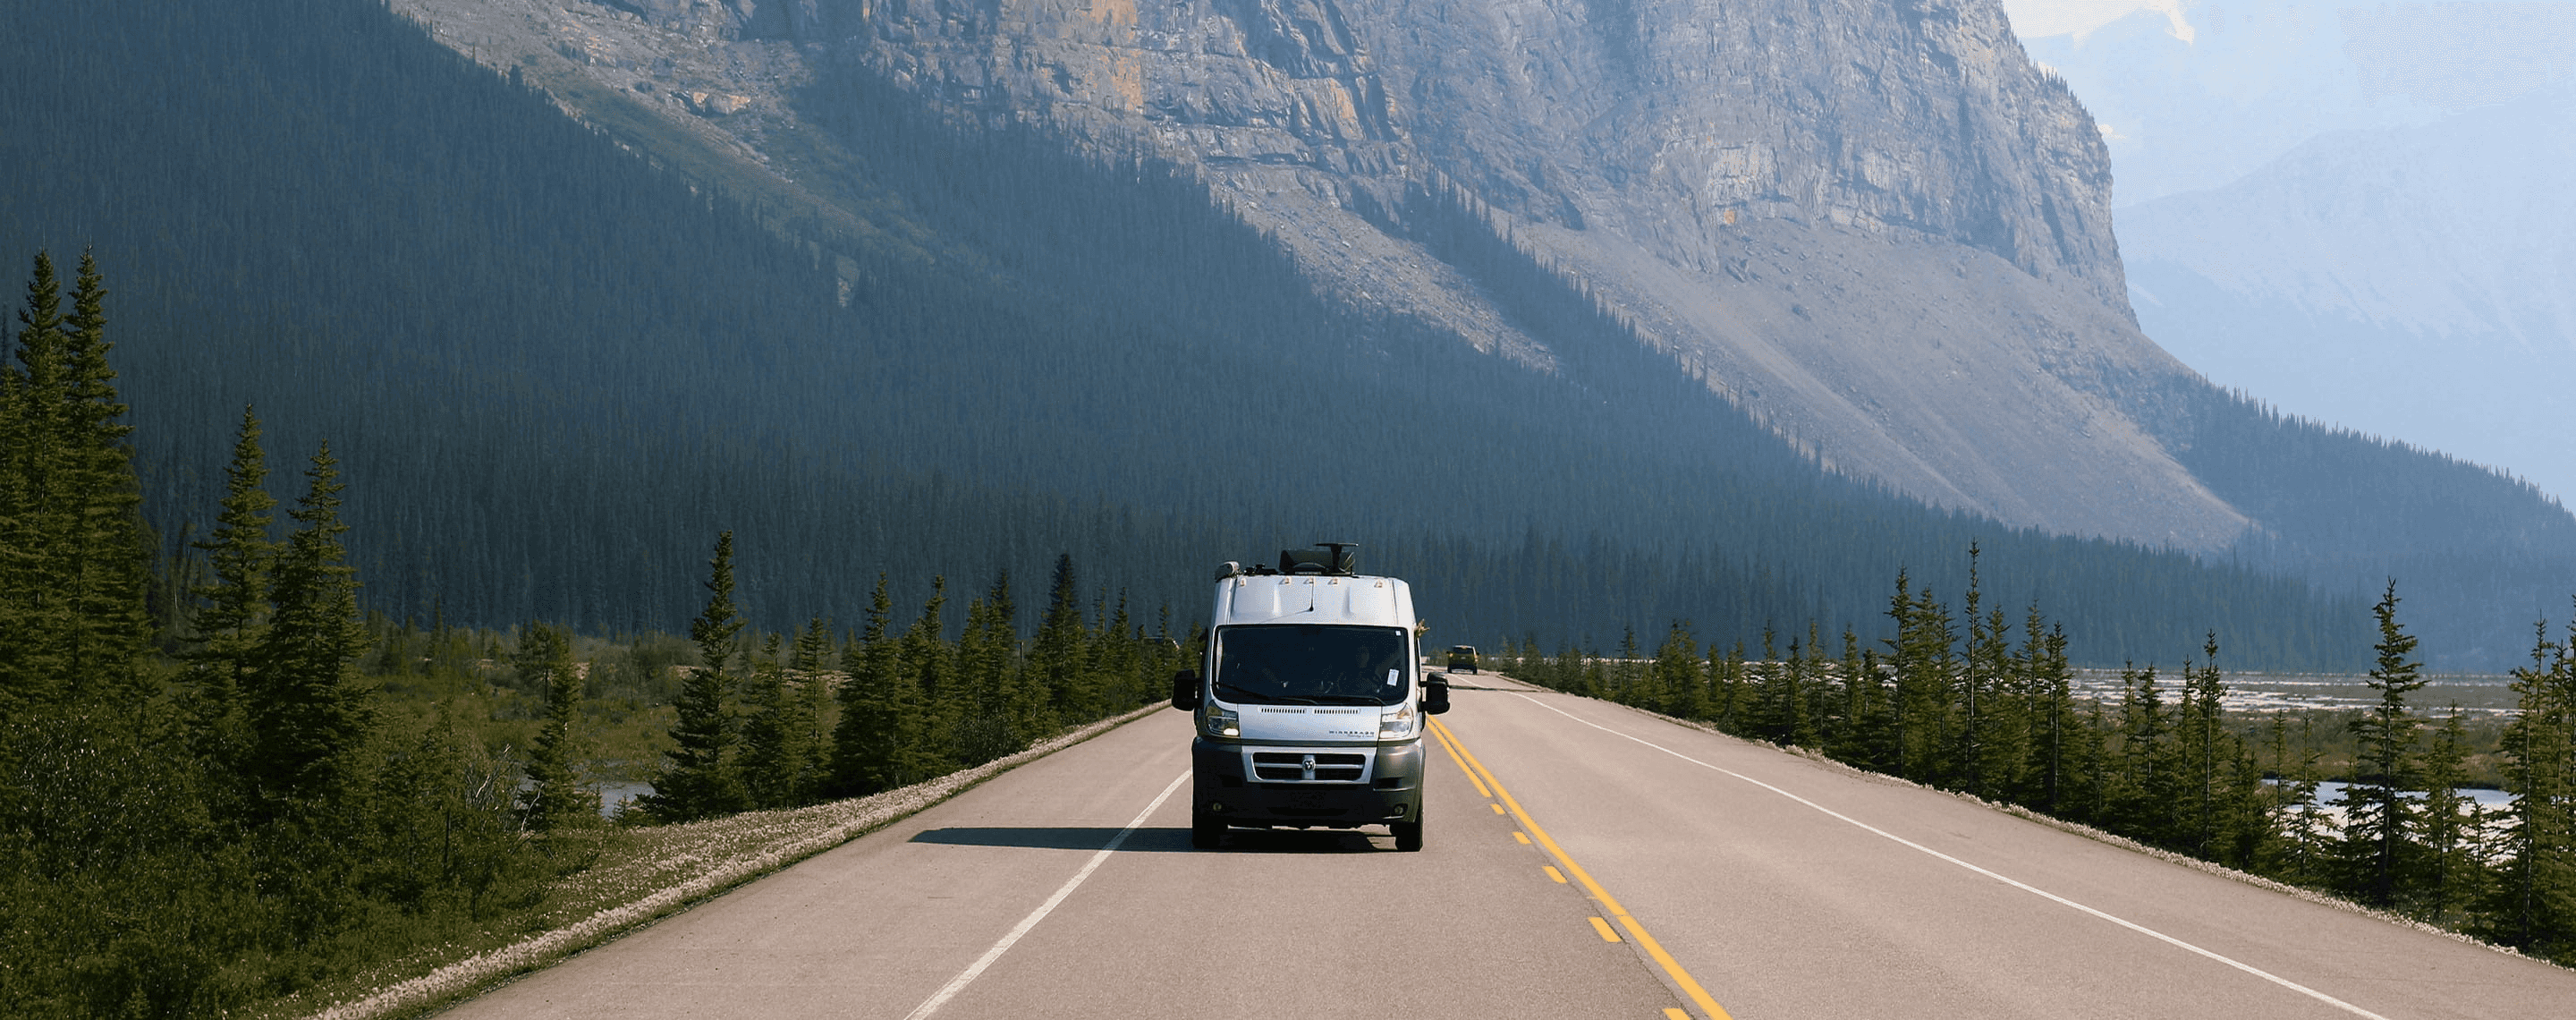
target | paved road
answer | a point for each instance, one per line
(1763, 884)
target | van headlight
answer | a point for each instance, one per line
(1395, 722)
(1220, 722)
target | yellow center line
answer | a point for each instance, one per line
(1603, 927)
(1522, 836)
(1559, 876)
(1462, 767)
(1689, 986)
(1498, 809)
(1675, 1013)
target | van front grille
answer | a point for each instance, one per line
(1299, 766)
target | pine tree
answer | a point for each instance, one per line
(1800, 690)
(2454, 868)
(2380, 848)
(2088, 768)
(2202, 733)
(1980, 675)
(1117, 663)
(701, 780)
(1727, 689)
(2052, 684)
(559, 800)
(932, 664)
(995, 720)
(1677, 676)
(2003, 741)
(809, 669)
(75, 556)
(2308, 857)
(876, 745)
(105, 559)
(1057, 667)
(307, 710)
(773, 753)
(2143, 776)
(1623, 674)
(232, 621)
(33, 611)
(1855, 723)
(1926, 670)
(1567, 668)
(2532, 904)
(1774, 691)
(2249, 837)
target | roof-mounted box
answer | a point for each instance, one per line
(1332, 558)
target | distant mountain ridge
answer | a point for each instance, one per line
(2419, 282)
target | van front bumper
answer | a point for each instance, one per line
(1389, 791)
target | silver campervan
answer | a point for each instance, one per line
(1309, 700)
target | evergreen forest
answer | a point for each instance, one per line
(223, 790)
(550, 367)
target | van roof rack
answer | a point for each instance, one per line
(1337, 559)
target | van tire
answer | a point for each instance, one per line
(1207, 831)
(1408, 836)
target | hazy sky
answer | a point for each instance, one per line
(2062, 17)
(2193, 94)
(2354, 209)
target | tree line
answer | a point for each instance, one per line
(892, 704)
(1980, 701)
(183, 835)
(205, 802)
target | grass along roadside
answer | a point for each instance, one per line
(646, 874)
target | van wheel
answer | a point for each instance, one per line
(1207, 831)
(1408, 836)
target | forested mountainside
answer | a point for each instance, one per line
(1881, 232)
(1877, 228)
(553, 372)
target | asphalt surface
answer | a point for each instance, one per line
(1734, 878)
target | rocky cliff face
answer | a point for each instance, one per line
(1873, 223)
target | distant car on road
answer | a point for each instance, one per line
(1462, 658)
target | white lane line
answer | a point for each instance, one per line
(966, 977)
(2023, 886)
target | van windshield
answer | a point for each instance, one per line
(1310, 664)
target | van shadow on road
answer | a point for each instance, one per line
(1289, 841)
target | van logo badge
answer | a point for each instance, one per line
(1309, 766)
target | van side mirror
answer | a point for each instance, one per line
(1185, 690)
(1435, 694)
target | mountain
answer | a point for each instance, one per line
(2416, 282)
(556, 356)
(1878, 229)
(1881, 232)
